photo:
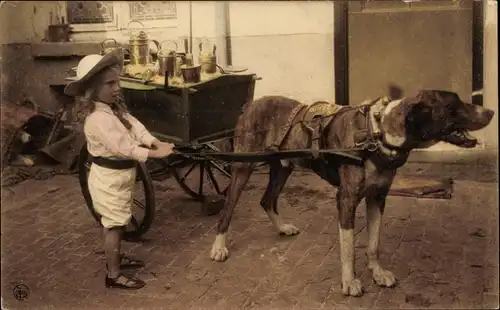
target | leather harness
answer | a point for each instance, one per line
(315, 118)
(369, 141)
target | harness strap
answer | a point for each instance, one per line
(315, 130)
(286, 128)
(117, 164)
(315, 140)
(316, 120)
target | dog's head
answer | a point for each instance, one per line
(434, 115)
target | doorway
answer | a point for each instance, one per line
(396, 48)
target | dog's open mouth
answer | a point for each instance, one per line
(461, 138)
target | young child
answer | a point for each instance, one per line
(115, 139)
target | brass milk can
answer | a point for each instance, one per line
(140, 54)
(207, 59)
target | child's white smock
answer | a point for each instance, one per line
(111, 189)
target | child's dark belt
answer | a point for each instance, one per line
(117, 164)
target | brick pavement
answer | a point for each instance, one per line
(444, 252)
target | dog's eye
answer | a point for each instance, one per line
(453, 113)
(422, 109)
(452, 109)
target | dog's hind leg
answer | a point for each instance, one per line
(240, 173)
(278, 175)
(348, 198)
(375, 205)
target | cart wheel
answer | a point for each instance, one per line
(202, 178)
(142, 213)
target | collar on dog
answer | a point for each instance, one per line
(388, 148)
(377, 113)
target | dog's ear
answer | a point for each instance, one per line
(428, 96)
(438, 96)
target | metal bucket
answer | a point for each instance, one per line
(208, 63)
(191, 74)
(167, 60)
(207, 59)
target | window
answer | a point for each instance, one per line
(149, 10)
(94, 16)
(90, 12)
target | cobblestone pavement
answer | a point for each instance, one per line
(444, 252)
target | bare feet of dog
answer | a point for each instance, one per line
(383, 277)
(283, 229)
(352, 287)
(288, 229)
(219, 252)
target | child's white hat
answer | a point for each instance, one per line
(91, 65)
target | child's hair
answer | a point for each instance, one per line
(87, 105)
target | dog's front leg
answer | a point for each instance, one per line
(375, 204)
(348, 198)
(377, 185)
(240, 173)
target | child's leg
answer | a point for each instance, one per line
(112, 199)
(112, 243)
(114, 278)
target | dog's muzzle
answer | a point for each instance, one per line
(461, 138)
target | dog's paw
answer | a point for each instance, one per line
(384, 277)
(289, 230)
(219, 254)
(352, 288)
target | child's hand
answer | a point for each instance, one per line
(151, 147)
(166, 144)
(156, 144)
(166, 148)
(161, 150)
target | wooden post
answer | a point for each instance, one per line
(341, 51)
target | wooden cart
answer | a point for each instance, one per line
(197, 118)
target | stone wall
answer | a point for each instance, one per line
(35, 72)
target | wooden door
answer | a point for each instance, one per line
(398, 47)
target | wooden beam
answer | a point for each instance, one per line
(477, 50)
(341, 51)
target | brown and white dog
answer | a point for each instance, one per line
(402, 125)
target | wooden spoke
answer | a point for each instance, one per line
(202, 170)
(213, 180)
(197, 185)
(134, 222)
(189, 172)
(139, 204)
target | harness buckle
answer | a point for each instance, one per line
(371, 146)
